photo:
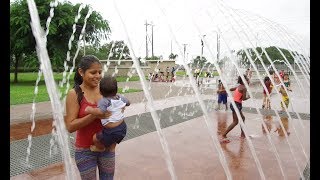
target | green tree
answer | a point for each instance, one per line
(118, 50)
(22, 43)
(197, 62)
(173, 56)
(154, 57)
(272, 51)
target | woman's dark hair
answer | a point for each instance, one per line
(85, 63)
(108, 86)
(240, 80)
(266, 79)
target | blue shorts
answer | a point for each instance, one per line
(239, 106)
(113, 135)
(222, 98)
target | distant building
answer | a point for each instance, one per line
(147, 67)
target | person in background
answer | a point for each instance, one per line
(222, 96)
(286, 81)
(173, 74)
(266, 99)
(167, 74)
(281, 74)
(285, 97)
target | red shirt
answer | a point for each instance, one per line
(85, 134)
(268, 85)
(281, 74)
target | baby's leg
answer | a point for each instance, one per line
(97, 145)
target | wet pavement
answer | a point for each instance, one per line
(192, 149)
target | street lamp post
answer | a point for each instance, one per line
(202, 45)
(147, 24)
(184, 52)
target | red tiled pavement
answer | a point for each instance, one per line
(194, 156)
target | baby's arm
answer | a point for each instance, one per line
(100, 110)
(94, 111)
(125, 100)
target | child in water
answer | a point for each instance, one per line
(284, 96)
(286, 82)
(240, 94)
(266, 99)
(222, 96)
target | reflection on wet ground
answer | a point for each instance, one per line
(192, 149)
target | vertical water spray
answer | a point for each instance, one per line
(272, 65)
(269, 59)
(42, 53)
(78, 46)
(263, 123)
(154, 115)
(206, 117)
(223, 80)
(261, 82)
(65, 64)
(32, 116)
(290, 43)
(289, 65)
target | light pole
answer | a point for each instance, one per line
(202, 44)
(218, 46)
(146, 24)
(184, 51)
(152, 38)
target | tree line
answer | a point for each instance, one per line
(22, 43)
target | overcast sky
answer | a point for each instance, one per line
(189, 20)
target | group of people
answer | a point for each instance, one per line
(160, 76)
(269, 86)
(240, 94)
(95, 111)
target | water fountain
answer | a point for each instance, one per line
(45, 66)
(227, 78)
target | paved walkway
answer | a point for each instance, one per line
(300, 102)
(159, 91)
(170, 100)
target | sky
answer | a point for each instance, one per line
(176, 22)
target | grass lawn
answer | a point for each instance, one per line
(24, 91)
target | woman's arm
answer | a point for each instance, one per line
(71, 119)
